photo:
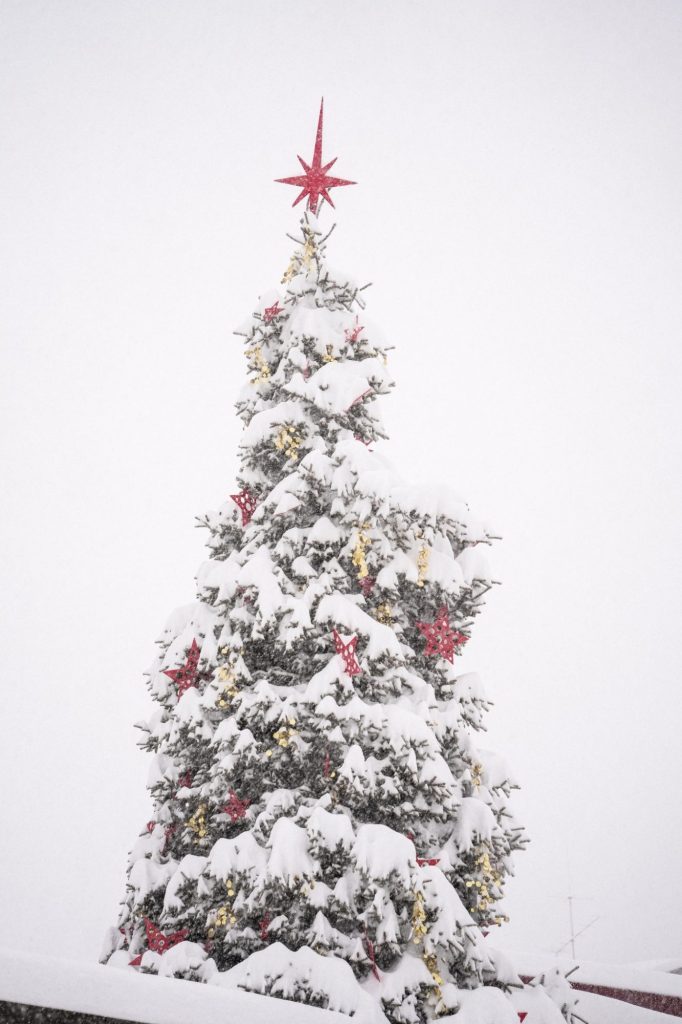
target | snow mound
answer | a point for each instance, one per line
(305, 977)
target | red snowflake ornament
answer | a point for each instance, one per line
(185, 781)
(372, 956)
(270, 312)
(353, 333)
(347, 652)
(246, 504)
(187, 675)
(235, 807)
(440, 638)
(315, 182)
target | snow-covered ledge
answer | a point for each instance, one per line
(87, 988)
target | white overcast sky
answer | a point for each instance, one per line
(518, 212)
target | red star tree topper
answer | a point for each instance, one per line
(246, 504)
(315, 182)
(347, 652)
(440, 638)
(187, 675)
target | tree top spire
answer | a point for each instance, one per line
(315, 182)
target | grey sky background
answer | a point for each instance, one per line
(518, 212)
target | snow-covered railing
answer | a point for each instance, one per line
(649, 989)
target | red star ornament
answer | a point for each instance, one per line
(270, 312)
(246, 504)
(158, 942)
(235, 807)
(347, 652)
(315, 182)
(187, 675)
(440, 638)
(353, 333)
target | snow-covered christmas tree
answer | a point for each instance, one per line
(325, 826)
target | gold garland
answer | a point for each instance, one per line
(291, 270)
(362, 543)
(422, 565)
(431, 961)
(491, 876)
(418, 918)
(309, 252)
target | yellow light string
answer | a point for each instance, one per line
(198, 822)
(256, 354)
(228, 675)
(288, 441)
(285, 733)
(384, 614)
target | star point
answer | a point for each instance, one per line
(315, 182)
